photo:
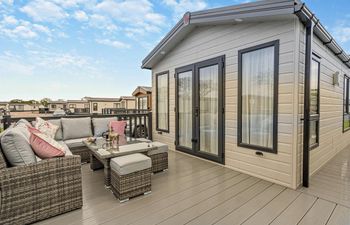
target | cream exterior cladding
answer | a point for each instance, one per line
(221, 37)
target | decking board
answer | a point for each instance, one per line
(197, 192)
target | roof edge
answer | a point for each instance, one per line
(222, 14)
(305, 14)
(257, 9)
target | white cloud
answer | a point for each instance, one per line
(24, 32)
(9, 20)
(13, 65)
(113, 43)
(42, 29)
(6, 2)
(342, 32)
(135, 14)
(44, 11)
(181, 6)
(102, 22)
(11, 27)
(81, 15)
(63, 35)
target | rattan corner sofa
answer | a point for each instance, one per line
(39, 191)
(34, 189)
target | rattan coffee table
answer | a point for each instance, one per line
(100, 156)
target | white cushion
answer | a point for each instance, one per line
(161, 148)
(46, 127)
(59, 134)
(130, 163)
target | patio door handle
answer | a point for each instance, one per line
(194, 140)
(196, 111)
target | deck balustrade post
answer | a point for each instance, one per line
(149, 127)
(6, 121)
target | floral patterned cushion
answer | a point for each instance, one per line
(46, 127)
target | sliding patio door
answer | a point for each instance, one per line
(199, 111)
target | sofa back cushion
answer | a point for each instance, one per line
(101, 125)
(23, 122)
(59, 134)
(3, 163)
(16, 147)
(76, 128)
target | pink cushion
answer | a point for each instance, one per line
(44, 146)
(118, 127)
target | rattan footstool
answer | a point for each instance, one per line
(159, 157)
(130, 176)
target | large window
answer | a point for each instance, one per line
(94, 106)
(314, 121)
(142, 102)
(162, 109)
(258, 97)
(346, 121)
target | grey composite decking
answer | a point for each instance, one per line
(194, 191)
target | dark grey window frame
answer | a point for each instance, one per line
(346, 99)
(316, 117)
(220, 61)
(276, 45)
(157, 122)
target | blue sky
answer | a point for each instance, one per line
(74, 48)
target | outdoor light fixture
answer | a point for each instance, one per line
(336, 78)
(238, 20)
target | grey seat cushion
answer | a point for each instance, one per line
(59, 134)
(101, 125)
(130, 163)
(161, 148)
(16, 147)
(74, 128)
(75, 143)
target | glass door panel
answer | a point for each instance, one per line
(208, 109)
(185, 109)
(199, 109)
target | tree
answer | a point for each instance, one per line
(45, 101)
(16, 101)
